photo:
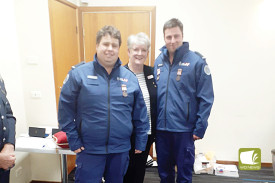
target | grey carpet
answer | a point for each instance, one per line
(265, 175)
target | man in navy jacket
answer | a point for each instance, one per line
(100, 105)
(7, 135)
(185, 97)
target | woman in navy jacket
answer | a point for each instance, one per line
(138, 48)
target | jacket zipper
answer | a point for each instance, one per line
(170, 66)
(187, 112)
(80, 128)
(108, 134)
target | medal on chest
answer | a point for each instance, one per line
(124, 90)
(179, 73)
(158, 74)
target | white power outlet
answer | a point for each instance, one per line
(18, 171)
(36, 94)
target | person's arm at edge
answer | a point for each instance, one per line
(67, 112)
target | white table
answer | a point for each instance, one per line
(44, 145)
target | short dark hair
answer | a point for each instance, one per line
(110, 30)
(174, 22)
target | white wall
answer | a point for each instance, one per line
(26, 38)
(238, 48)
(32, 18)
(10, 65)
(10, 69)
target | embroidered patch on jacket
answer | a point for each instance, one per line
(150, 77)
(92, 77)
(186, 64)
(122, 79)
(207, 70)
(66, 79)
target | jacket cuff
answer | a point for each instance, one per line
(199, 133)
(75, 144)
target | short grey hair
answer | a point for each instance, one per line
(174, 22)
(108, 30)
(138, 39)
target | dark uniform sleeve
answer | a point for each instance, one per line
(205, 96)
(8, 120)
(67, 110)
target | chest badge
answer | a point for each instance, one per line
(150, 77)
(179, 73)
(158, 74)
(124, 90)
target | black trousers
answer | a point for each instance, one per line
(4, 176)
(137, 164)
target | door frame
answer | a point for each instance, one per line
(149, 9)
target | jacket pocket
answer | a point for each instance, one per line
(189, 155)
(80, 128)
(187, 112)
(126, 165)
(78, 172)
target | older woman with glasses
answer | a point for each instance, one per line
(138, 49)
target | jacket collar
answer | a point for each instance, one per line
(179, 53)
(117, 64)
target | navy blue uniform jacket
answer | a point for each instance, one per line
(100, 111)
(185, 91)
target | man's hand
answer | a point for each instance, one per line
(196, 137)
(8, 148)
(7, 157)
(79, 150)
(137, 151)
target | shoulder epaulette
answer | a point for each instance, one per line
(198, 53)
(79, 64)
